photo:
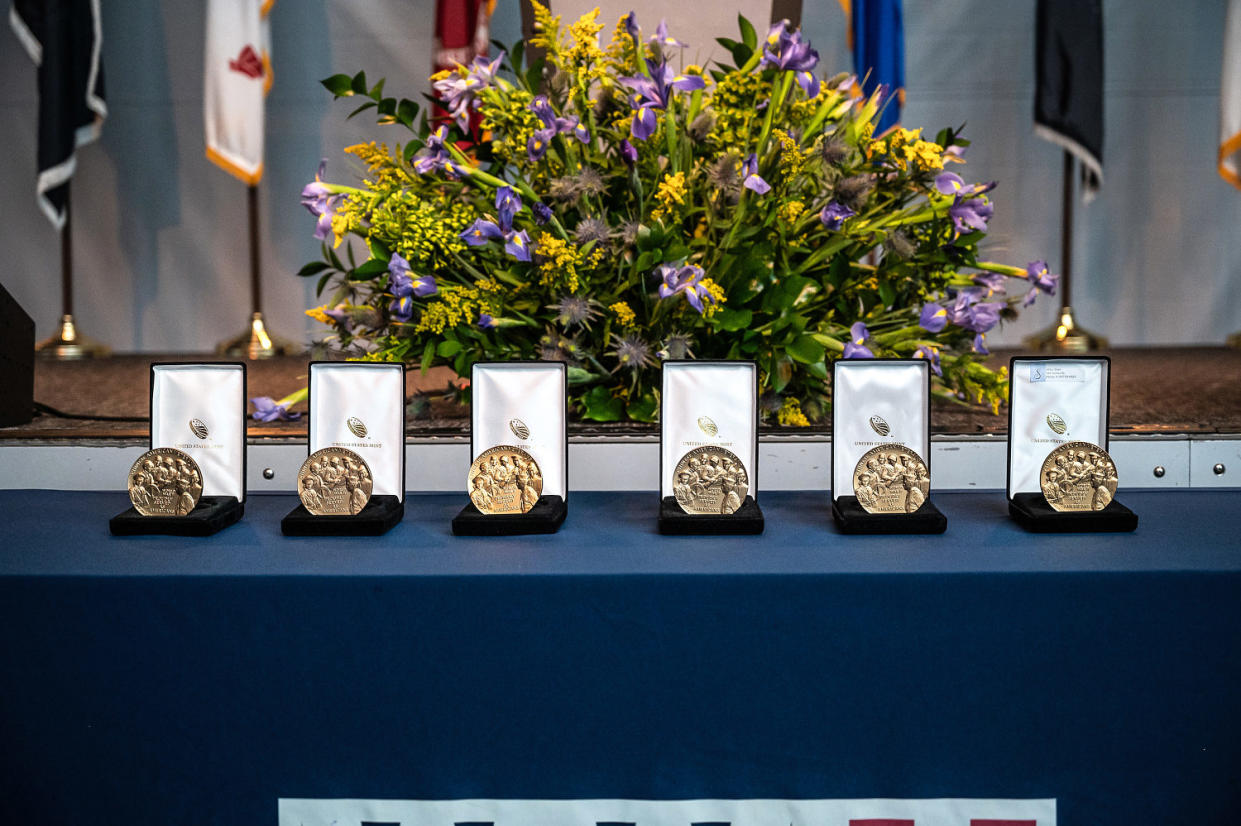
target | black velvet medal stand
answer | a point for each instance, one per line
(674, 521)
(852, 518)
(1031, 511)
(381, 514)
(211, 515)
(547, 515)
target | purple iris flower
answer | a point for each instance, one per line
(931, 355)
(974, 314)
(434, 156)
(834, 215)
(542, 108)
(1040, 278)
(266, 409)
(628, 152)
(969, 214)
(855, 347)
(661, 37)
(481, 231)
(536, 147)
(402, 285)
(542, 212)
(749, 172)
(517, 244)
(486, 321)
(686, 279)
(934, 318)
(653, 92)
(321, 202)
(340, 314)
(402, 308)
(993, 281)
(459, 94)
(508, 204)
(788, 51)
(631, 26)
(950, 183)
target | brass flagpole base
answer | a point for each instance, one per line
(1065, 337)
(1234, 340)
(256, 343)
(69, 344)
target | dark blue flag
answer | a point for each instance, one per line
(877, 38)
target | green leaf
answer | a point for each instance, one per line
(358, 83)
(369, 270)
(338, 85)
(643, 409)
(448, 348)
(411, 149)
(406, 111)
(805, 349)
(601, 406)
(428, 357)
(313, 268)
(748, 36)
(327, 276)
(379, 250)
(732, 320)
(781, 374)
(387, 106)
(886, 293)
(580, 375)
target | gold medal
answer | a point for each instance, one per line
(1078, 476)
(891, 479)
(335, 481)
(504, 479)
(710, 480)
(165, 482)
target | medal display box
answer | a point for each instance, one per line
(878, 402)
(521, 404)
(359, 406)
(200, 409)
(708, 448)
(1054, 400)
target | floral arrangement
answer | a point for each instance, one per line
(608, 207)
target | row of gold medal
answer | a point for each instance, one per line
(890, 478)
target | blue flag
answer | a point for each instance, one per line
(877, 38)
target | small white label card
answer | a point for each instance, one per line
(523, 404)
(201, 409)
(877, 403)
(708, 403)
(361, 406)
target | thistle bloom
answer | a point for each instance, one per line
(574, 310)
(931, 355)
(686, 279)
(934, 318)
(267, 409)
(321, 202)
(752, 180)
(1040, 278)
(834, 215)
(855, 347)
(651, 93)
(787, 51)
(632, 352)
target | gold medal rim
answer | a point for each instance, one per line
(161, 451)
(333, 451)
(676, 469)
(473, 471)
(888, 448)
(1081, 445)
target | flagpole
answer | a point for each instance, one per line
(68, 343)
(255, 342)
(1066, 336)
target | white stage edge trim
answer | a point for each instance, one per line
(785, 463)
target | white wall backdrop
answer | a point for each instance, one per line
(160, 233)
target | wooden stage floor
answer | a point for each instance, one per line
(1195, 390)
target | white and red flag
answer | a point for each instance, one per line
(1230, 99)
(238, 76)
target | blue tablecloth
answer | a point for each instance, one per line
(183, 681)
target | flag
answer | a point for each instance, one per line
(877, 39)
(1068, 93)
(237, 78)
(1230, 99)
(64, 38)
(462, 31)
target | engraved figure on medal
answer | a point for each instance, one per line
(335, 481)
(1078, 476)
(504, 479)
(165, 482)
(710, 480)
(891, 478)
